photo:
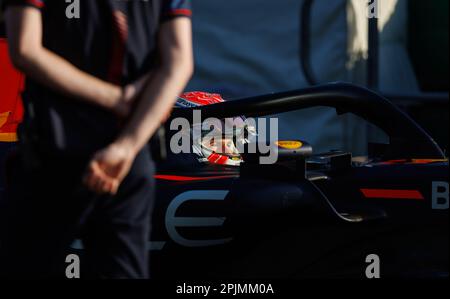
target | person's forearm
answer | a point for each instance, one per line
(24, 28)
(156, 102)
(53, 71)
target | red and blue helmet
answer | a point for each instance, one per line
(198, 99)
(217, 146)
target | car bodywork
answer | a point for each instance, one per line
(309, 215)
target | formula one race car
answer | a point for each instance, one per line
(220, 213)
(226, 215)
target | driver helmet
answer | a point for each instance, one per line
(221, 143)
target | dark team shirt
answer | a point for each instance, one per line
(94, 41)
(114, 40)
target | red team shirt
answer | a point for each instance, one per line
(11, 85)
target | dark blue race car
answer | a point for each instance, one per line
(309, 214)
(223, 214)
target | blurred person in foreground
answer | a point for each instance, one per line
(101, 78)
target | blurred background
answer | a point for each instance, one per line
(252, 47)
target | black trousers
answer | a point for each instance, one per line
(48, 209)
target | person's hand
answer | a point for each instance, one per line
(124, 104)
(109, 167)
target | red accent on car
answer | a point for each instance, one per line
(413, 161)
(177, 178)
(392, 194)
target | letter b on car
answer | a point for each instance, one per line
(439, 195)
